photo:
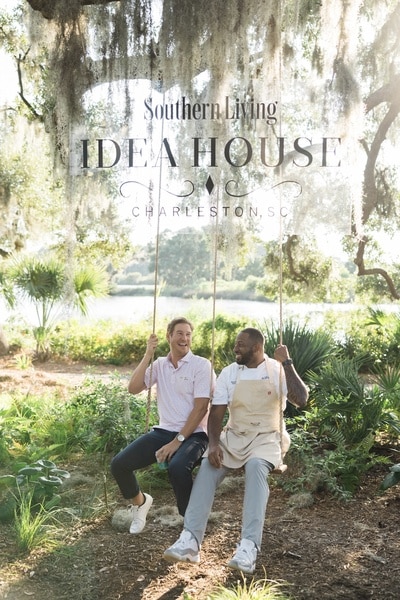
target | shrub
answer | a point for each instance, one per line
(225, 332)
(105, 417)
(104, 342)
(345, 402)
(375, 338)
(309, 348)
(324, 463)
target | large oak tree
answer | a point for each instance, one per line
(333, 62)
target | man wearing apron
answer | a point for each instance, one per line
(254, 390)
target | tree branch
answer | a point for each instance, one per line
(20, 59)
(359, 261)
(48, 7)
(389, 94)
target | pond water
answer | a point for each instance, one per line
(132, 309)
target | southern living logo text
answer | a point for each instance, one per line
(231, 110)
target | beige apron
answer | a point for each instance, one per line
(253, 428)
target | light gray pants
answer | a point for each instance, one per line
(255, 499)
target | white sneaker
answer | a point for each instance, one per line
(245, 557)
(139, 514)
(185, 549)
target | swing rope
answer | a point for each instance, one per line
(281, 468)
(214, 294)
(155, 287)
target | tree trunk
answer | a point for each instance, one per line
(4, 346)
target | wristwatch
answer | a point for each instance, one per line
(287, 362)
(181, 438)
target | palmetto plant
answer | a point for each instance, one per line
(46, 283)
(349, 404)
(308, 348)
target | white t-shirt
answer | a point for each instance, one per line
(177, 389)
(229, 376)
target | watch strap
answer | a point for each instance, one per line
(287, 362)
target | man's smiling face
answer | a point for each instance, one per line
(243, 349)
(180, 340)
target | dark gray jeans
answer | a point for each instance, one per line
(141, 453)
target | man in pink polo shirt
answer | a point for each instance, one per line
(184, 384)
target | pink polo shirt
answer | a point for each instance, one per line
(177, 389)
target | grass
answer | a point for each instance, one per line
(262, 589)
(33, 528)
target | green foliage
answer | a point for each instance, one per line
(333, 441)
(262, 589)
(183, 258)
(346, 402)
(222, 338)
(115, 343)
(38, 279)
(6, 288)
(324, 463)
(34, 526)
(23, 420)
(44, 282)
(305, 271)
(100, 416)
(4, 453)
(104, 417)
(309, 348)
(375, 338)
(104, 240)
(89, 280)
(104, 342)
(35, 485)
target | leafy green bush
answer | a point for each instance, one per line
(308, 348)
(100, 416)
(225, 332)
(324, 463)
(24, 419)
(104, 417)
(347, 403)
(107, 342)
(334, 439)
(375, 338)
(4, 452)
(104, 342)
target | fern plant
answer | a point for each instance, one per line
(347, 403)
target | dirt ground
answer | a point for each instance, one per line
(328, 550)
